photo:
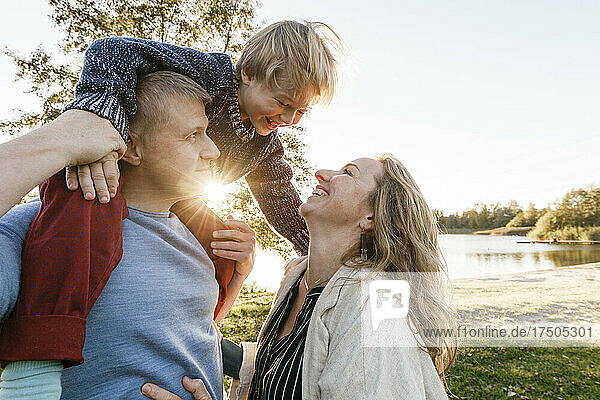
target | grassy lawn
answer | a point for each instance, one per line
(526, 373)
(533, 298)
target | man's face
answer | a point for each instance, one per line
(178, 157)
(268, 108)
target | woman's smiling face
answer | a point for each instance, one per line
(342, 196)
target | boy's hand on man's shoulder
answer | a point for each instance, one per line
(238, 244)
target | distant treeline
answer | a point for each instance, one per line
(484, 217)
(575, 217)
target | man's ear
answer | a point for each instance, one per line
(133, 154)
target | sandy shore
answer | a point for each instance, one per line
(563, 274)
(558, 295)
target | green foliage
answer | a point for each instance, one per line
(210, 25)
(52, 83)
(480, 217)
(576, 217)
(219, 25)
(528, 217)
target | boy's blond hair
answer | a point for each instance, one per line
(303, 57)
(154, 94)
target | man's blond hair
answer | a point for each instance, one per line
(302, 57)
(155, 93)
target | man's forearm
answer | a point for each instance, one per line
(27, 161)
(233, 290)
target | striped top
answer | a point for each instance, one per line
(278, 365)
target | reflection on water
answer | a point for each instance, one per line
(473, 255)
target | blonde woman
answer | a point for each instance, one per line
(368, 216)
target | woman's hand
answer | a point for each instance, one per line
(238, 244)
(194, 386)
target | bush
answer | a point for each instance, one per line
(576, 217)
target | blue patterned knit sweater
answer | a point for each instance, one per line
(107, 88)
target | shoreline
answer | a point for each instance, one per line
(548, 274)
(561, 295)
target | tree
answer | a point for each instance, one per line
(528, 217)
(480, 217)
(577, 216)
(209, 25)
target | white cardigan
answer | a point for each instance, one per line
(336, 366)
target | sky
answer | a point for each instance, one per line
(483, 101)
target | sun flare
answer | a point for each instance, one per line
(215, 193)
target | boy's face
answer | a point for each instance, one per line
(266, 108)
(178, 157)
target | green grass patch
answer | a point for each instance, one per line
(525, 373)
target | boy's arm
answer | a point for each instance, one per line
(278, 199)
(233, 290)
(236, 243)
(111, 67)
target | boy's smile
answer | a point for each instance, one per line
(267, 109)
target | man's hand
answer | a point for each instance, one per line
(238, 244)
(194, 386)
(101, 177)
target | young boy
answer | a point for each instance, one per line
(155, 315)
(284, 69)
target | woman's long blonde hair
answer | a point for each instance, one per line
(405, 239)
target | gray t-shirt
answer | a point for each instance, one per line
(153, 320)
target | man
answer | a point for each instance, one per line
(153, 321)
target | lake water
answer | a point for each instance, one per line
(474, 255)
(468, 256)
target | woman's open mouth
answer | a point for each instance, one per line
(320, 191)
